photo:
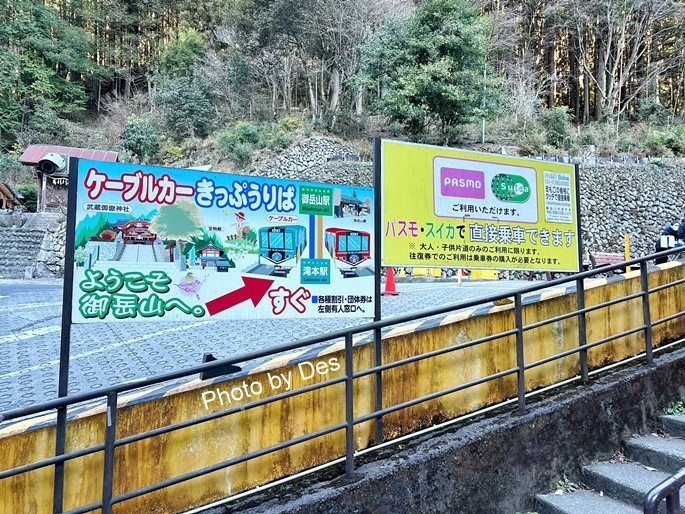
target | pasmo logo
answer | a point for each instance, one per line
(462, 183)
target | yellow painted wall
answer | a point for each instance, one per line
(163, 457)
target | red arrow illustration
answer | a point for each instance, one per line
(253, 289)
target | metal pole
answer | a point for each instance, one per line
(520, 361)
(673, 502)
(646, 316)
(108, 466)
(378, 314)
(65, 340)
(378, 385)
(582, 329)
(349, 408)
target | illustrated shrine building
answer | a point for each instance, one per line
(137, 232)
(212, 257)
(53, 189)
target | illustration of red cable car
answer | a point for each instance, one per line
(350, 249)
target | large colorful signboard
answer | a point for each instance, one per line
(452, 208)
(156, 243)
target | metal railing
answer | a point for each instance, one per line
(669, 490)
(518, 330)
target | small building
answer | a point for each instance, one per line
(212, 256)
(8, 198)
(53, 188)
(137, 232)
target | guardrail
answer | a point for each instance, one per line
(518, 331)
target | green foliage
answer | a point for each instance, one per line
(140, 138)
(12, 109)
(278, 140)
(12, 172)
(624, 144)
(185, 106)
(650, 110)
(181, 55)
(532, 143)
(172, 152)
(46, 126)
(30, 194)
(239, 142)
(80, 256)
(558, 127)
(201, 240)
(289, 123)
(241, 154)
(656, 144)
(241, 132)
(43, 60)
(177, 222)
(676, 408)
(90, 228)
(603, 137)
(565, 485)
(433, 69)
(675, 139)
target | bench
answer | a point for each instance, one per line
(598, 259)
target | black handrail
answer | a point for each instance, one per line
(669, 490)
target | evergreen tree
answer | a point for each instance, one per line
(432, 68)
(42, 61)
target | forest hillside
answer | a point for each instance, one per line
(232, 83)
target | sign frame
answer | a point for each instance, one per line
(510, 213)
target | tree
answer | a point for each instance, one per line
(182, 54)
(30, 194)
(178, 222)
(140, 138)
(185, 105)
(14, 173)
(432, 70)
(42, 60)
(621, 46)
(334, 31)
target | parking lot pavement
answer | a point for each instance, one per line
(109, 353)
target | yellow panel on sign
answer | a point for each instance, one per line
(459, 209)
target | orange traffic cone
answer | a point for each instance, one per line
(390, 282)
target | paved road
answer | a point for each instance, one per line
(110, 353)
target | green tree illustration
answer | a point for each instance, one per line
(177, 222)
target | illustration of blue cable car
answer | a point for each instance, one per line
(282, 245)
(350, 249)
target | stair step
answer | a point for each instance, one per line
(674, 425)
(664, 453)
(19, 248)
(582, 501)
(624, 481)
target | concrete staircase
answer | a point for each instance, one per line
(41, 220)
(18, 249)
(620, 485)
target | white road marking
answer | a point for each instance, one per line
(24, 306)
(106, 348)
(29, 334)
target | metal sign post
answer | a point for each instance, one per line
(65, 339)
